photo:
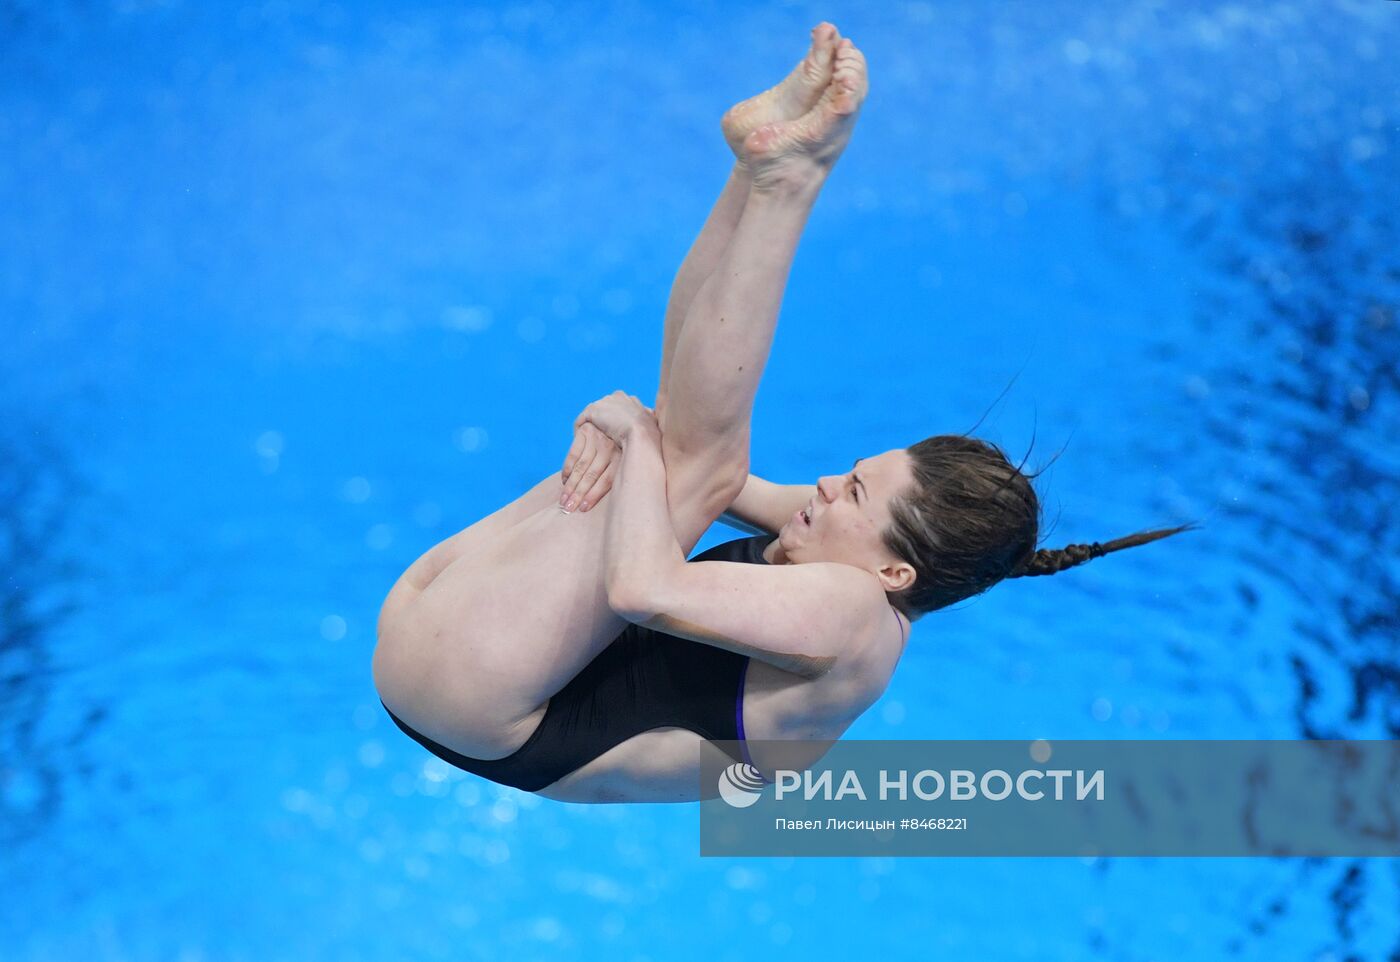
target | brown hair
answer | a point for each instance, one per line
(970, 519)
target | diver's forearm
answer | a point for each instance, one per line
(640, 547)
(740, 512)
(740, 523)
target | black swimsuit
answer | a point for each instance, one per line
(644, 680)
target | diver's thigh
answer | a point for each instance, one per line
(511, 620)
(430, 564)
(472, 537)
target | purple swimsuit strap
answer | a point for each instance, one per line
(739, 721)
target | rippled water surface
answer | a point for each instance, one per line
(289, 293)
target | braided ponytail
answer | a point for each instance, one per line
(1048, 561)
(971, 519)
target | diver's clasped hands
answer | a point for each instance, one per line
(599, 433)
(617, 415)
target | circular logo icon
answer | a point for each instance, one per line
(740, 784)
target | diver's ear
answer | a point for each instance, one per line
(897, 576)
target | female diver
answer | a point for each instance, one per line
(578, 655)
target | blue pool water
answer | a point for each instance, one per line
(289, 293)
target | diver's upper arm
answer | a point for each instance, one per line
(763, 506)
(799, 618)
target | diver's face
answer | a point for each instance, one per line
(848, 513)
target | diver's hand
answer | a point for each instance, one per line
(589, 468)
(618, 415)
(591, 464)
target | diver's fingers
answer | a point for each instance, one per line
(580, 468)
(575, 449)
(607, 458)
(586, 478)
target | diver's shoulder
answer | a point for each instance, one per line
(871, 652)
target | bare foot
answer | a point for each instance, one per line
(790, 99)
(805, 149)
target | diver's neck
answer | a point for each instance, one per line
(774, 553)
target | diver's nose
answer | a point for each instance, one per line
(825, 486)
